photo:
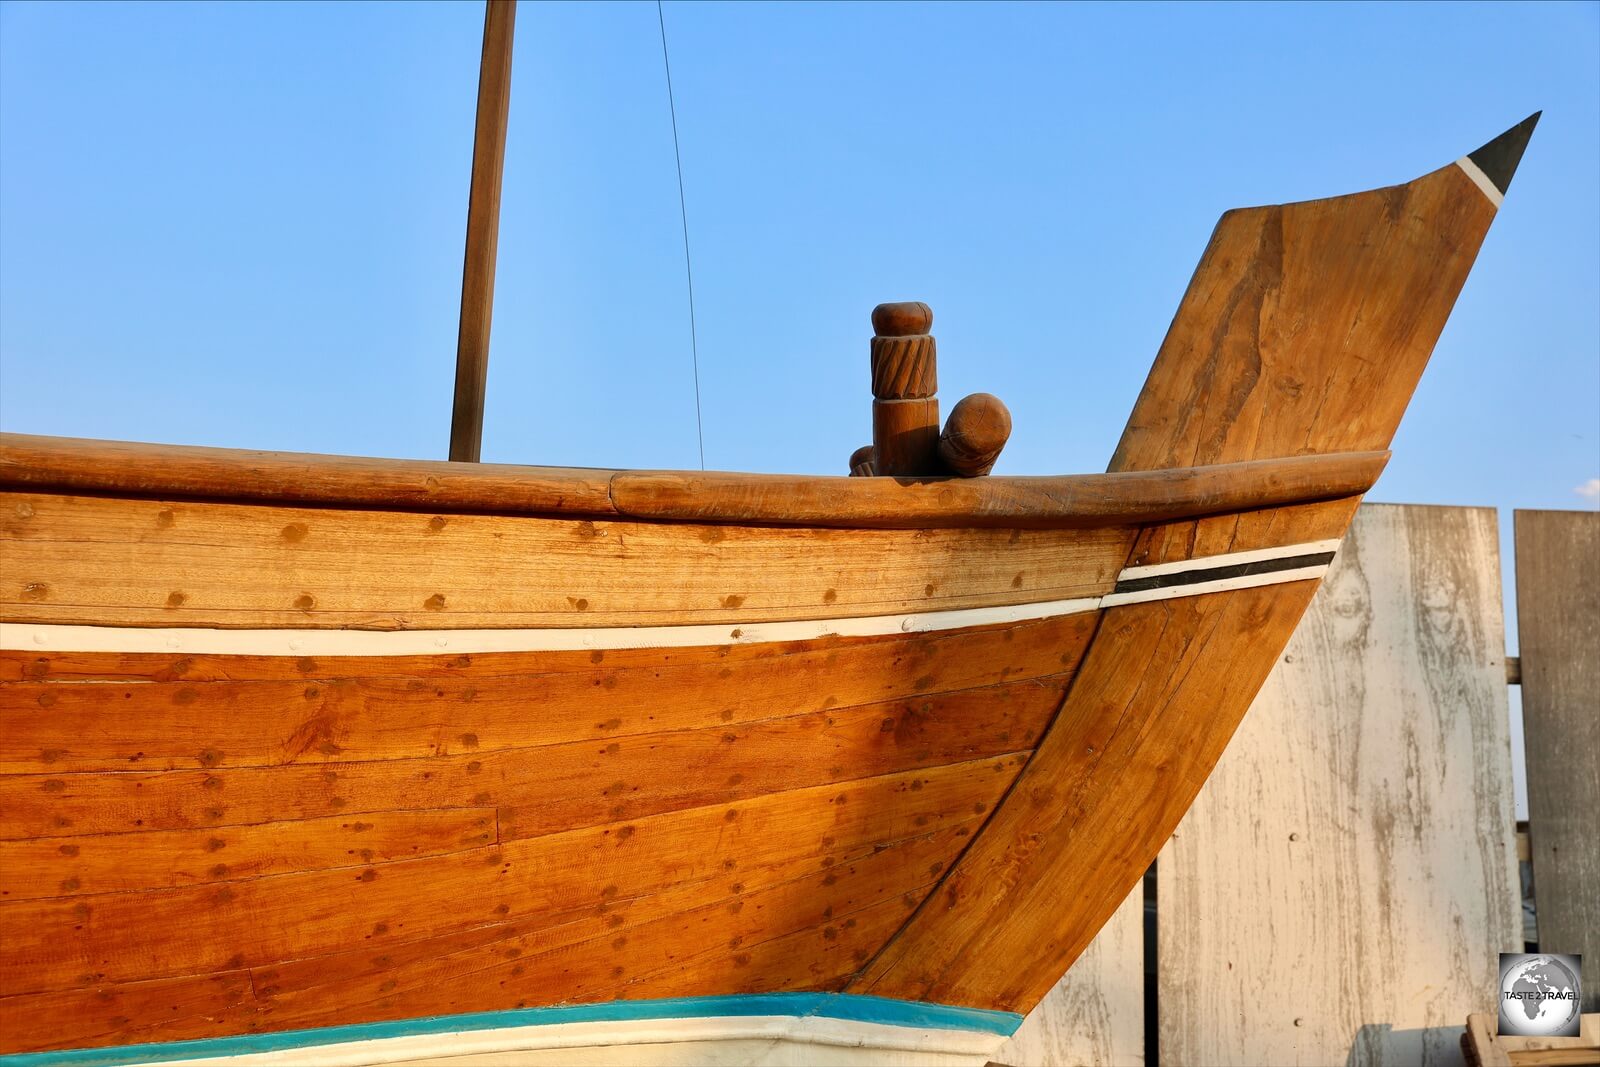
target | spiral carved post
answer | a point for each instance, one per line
(905, 410)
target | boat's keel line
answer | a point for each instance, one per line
(1208, 574)
(837, 1019)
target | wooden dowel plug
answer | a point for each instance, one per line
(905, 410)
(976, 431)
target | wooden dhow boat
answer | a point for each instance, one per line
(310, 759)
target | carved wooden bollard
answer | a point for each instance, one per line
(906, 441)
(905, 409)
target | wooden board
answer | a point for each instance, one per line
(1154, 702)
(1094, 1017)
(793, 890)
(178, 472)
(1558, 632)
(1341, 888)
(1306, 326)
(160, 563)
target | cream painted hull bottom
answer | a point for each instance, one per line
(775, 1042)
(781, 1029)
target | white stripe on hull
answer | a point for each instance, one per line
(50, 637)
(1481, 180)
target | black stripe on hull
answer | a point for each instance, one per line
(1213, 574)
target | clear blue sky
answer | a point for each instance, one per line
(242, 224)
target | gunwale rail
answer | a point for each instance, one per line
(77, 465)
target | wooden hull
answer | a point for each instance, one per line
(382, 749)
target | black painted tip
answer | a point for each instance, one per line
(1499, 158)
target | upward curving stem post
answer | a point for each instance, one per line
(483, 231)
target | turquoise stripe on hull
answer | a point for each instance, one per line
(846, 1006)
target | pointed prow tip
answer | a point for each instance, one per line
(1498, 159)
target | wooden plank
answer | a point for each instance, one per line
(1484, 1048)
(169, 1009)
(1094, 1017)
(179, 472)
(756, 928)
(1082, 500)
(547, 789)
(804, 933)
(959, 658)
(116, 937)
(1558, 630)
(344, 710)
(1306, 326)
(1159, 693)
(154, 563)
(483, 230)
(111, 863)
(1341, 888)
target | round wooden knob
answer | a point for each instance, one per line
(974, 434)
(905, 319)
(863, 462)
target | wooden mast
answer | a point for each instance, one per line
(483, 230)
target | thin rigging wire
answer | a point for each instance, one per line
(683, 210)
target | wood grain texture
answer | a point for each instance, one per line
(650, 868)
(155, 563)
(174, 472)
(1485, 1048)
(1094, 1017)
(1306, 326)
(1013, 501)
(1154, 702)
(977, 429)
(905, 438)
(349, 710)
(1558, 632)
(1341, 888)
(70, 464)
(108, 863)
(1069, 844)
(533, 791)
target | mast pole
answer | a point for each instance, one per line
(483, 231)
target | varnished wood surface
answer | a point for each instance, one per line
(921, 862)
(69, 465)
(242, 895)
(1304, 330)
(1306, 326)
(1094, 1016)
(483, 230)
(1558, 630)
(105, 560)
(977, 429)
(1159, 693)
(204, 845)
(1351, 858)
(1017, 502)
